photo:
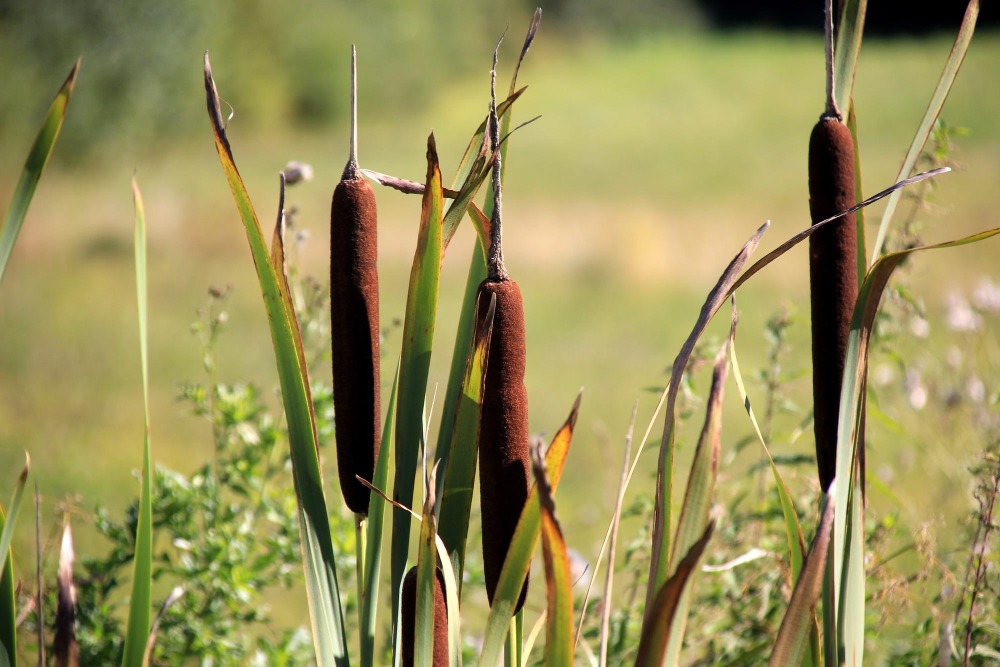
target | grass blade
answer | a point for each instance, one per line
(141, 599)
(951, 67)
(174, 596)
(322, 592)
(8, 610)
(457, 494)
(694, 517)
(666, 605)
(558, 583)
(38, 156)
(800, 618)
(418, 335)
(612, 548)
(522, 546)
(849, 32)
(376, 526)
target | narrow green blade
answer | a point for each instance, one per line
(8, 609)
(38, 156)
(951, 67)
(792, 642)
(849, 31)
(457, 495)
(141, 599)
(376, 527)
(418, 336)
(522, 546)
(694, 517)
(325, 613)
(667, 603)
(848, 551)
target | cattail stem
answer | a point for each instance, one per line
(496, 271)
(831, 99)
(351, 170)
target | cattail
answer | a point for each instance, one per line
(503, 432)
(354, 324)
(409, 619)
(833, 268)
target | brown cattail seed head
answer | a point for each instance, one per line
(355, 334)
(504, 456)
(833, 273)
(409, 619)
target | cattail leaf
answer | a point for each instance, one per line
(859, 216)
(8, 610)
(848, 569)
(947, 78)
(418, 336)
(140, 600)
(522, 546)
(38, 156)
(558, 581)
(799, 621)
(457, 493)
(849, 31)
(325, 613)
(667, 606)
(658, 572)
(375, 528)
(698, 497)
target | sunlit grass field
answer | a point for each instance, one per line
(651, 164)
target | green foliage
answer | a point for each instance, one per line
(225, 531)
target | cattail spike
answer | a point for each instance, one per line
(354, 325)
(833, 272)
(408, 612)
(831, 101)
(496, 271)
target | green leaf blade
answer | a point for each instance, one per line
(38, 157)
(415, 359)
(326, 616)
(141, 598)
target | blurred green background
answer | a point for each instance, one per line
(663, 144)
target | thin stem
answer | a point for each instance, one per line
(496, 271)
(831, 102)
(351, 170)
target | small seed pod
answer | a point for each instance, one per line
(833, 274)
(503, 430)
(354, 329)
(409, 619)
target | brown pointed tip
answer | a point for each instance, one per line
(71, 79)
(27, 467)
(575, 411)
